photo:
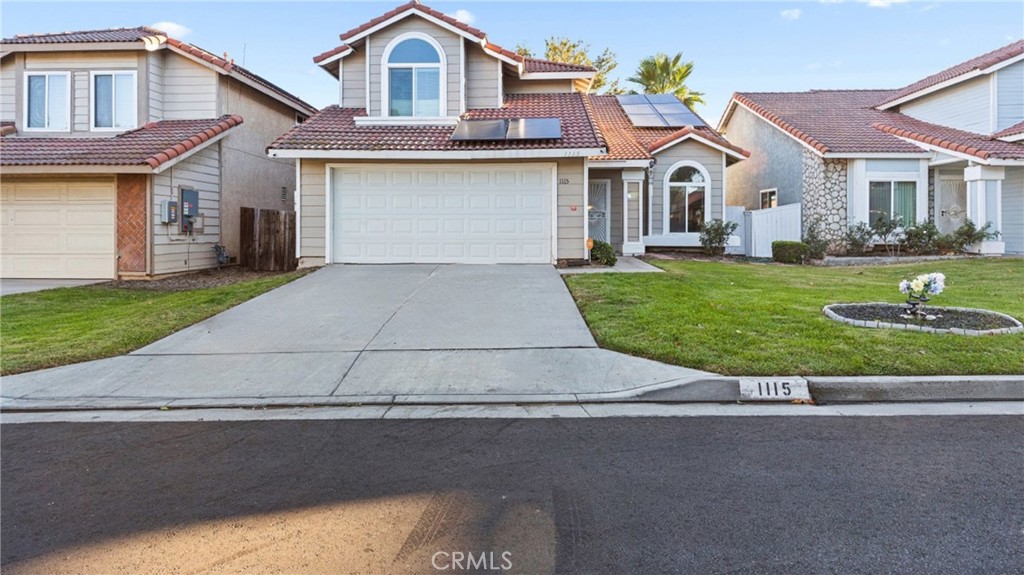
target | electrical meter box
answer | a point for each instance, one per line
(168, 212)
(189, 209)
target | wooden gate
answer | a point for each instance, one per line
(267, 240)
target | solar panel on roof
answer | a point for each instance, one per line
(658, 111)
(515, 129)
(534, 129)
(470, 130)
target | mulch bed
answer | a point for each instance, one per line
(945, 318)
(195, 280)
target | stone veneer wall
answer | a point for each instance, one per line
(824, 196)
(931, 196)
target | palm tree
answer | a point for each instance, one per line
(661, 74)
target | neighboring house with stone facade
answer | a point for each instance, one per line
(102, 128)
(945, 149)
(447, 148)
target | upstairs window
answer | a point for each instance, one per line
(414, 75)
(113, 101)
(48, 101)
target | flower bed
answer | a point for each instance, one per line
(956, 320)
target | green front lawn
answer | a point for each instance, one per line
(755, 319)
(69, 325)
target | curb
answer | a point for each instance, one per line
(824, 390)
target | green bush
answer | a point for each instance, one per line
(859, 239)
(714, 236)
(789, 252)
(969, 234)
(922, 239)
(890, 231)
(603, 254)
(817, 245)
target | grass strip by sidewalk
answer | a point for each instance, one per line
(755, 319)
(69, 325)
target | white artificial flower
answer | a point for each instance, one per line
(917, 285)
(904, 286)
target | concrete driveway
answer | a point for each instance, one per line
(11, 286)
(366, 334)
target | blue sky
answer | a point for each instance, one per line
(736, 46)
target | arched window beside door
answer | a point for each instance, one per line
(686, 190)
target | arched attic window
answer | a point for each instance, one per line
(687, 188)
(415, 76)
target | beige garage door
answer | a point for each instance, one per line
(59, 229)
(442, 213)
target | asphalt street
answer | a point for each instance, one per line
(620, 495)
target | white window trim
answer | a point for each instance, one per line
(666, 195)
(385, 76)
(892, 181)
(760, 196)
(46, 103)
(92, 99)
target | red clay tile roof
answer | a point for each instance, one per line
(139, 33)
(628, 142)
(830, 121)
(109, 35)
(413, 5)
(334, 128)
(1013, 130)
(333, 51)
(980, 63)
(151, 145)
(977, 145)
(537, 65)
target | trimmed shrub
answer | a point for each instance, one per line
(859, 239)
(922, 239)
(789, 252)
(817, 245)
(969, 234)
(603, 253)
(714, 236)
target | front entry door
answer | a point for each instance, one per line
(951, 205)
(598, 206)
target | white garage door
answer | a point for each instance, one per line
(59, 229)
(442, 213)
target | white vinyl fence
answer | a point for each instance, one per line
(762, 227)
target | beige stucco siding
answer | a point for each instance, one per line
(571, 192)
(173, 252)
(570, 242)
(449, 42)
(483, 73)
(353, 80)
(513, 85)
(250, 178)
(189, 89)
(313, 208)
(155, 76)
(7, 84)
(709, 158)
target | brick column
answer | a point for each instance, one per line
(131, 222)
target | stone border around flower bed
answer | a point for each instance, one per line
(846, 261)
(1019, 328)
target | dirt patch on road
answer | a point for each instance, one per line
(198, 280)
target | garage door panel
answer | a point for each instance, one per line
(59, 229)
(442, 214)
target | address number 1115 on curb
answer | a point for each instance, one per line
(773, 389)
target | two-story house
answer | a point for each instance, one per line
(445, 147)
(127, 153)
(947, 148)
